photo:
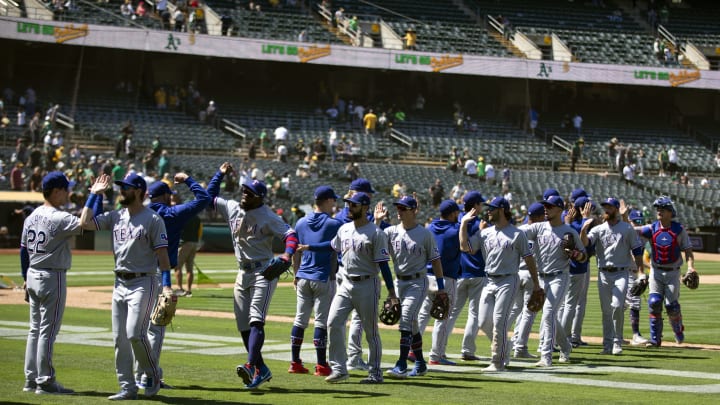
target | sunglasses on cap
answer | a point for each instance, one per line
(403, 208)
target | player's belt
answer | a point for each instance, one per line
(358, 278)
(250, 266)
(553, 274)
(665, 268)
(412, 277)
(498, 275)
(129, 275)
(612, 269)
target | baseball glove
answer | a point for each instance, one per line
(639, 288)
(390, 314)
(440, 306)
(691, 280)
(275, 268)
(568, 245)
(164, 309)
(536, 301)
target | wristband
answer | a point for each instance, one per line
(92, 199)
(165, 278)
(440, 283)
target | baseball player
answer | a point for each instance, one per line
(189, 243)
(364, 249)
(315, 265)
(470, 284)
(175, 218)
(553, 258)
(633, 302)
(252, 226)
(525, 318)
(445, 231)
(355, 356)
(668, 238)
(139, 246)
(503, 245)
(616, 244)
(411, 248)
(573, 309)
(45, 258)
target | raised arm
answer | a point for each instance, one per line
(93, 202)
(463, 232)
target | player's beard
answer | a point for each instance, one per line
(609, 216)
(128, 198)
(356, 214)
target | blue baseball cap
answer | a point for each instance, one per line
(359, 198)
(473, 197)
(580, 202)
(407, 201)
(536, 209)
(611, 201)
(55, 179)
(362, 185)
(133, 180)
(636, 216)
(577, 193)
(447, 207)
(555, 201)
(256, 186)
(159, 188)
(499, 202)
(550, 192)
(325, 193)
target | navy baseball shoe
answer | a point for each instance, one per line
(246, 372)
(262, 374)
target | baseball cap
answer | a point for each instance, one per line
(555, 201)
(472, 198)
(611, 201)
(133, 180)
(499, 202)
(359, 198)
(447, 207)
(407, 201)
(636, 216)
(536, 209)
(159, 188)
(549, 192)
(577, 193)
(55, 180)
(580, 202)
(325, 193)
(362, 185)
(256, 186)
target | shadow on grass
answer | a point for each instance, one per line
(269, 389)
(165, 399)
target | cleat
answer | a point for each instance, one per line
(29, 386)
(262, 375)
(652, 343)
(564, 358)
(296, 367)
(180, 292)
(188, 294)
(358, 365)
(442, 362)
(397, 372)
(246, 372)
(679, 338)
(578, 343)
(543, 363)
(322, 370)
(638, 340)
(494, 368)
(336, 377)
(372, 380)
(617, 349)
(470, 357)
(605, 351)
(524, 354)
(152, 388)
(420, 369)
(54, 388)
(124, 396)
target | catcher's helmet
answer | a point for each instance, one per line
(665, 203)
(390, 314)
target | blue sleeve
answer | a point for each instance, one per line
(387, 275)
(213, 188)
(201, 201)
(98, 207)
(320, 247)
(638, 251)
(24, 262)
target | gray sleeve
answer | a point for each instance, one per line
(105, 220)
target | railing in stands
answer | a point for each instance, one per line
(65, 120)
(236, 130)
(401, 137)
(561, 143)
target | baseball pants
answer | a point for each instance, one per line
(667, 284)
(573, 312)
(612, 288)
(495, 303)
(469, 290)
(412, 295)
(520, 315)
(441, 331)
(555, 288)
(252, 293)
(313, 295)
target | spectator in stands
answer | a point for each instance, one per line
(129, 148)
(282, 152)
(410, 39)
(652, 18)
(685, 179)
(179, 18)
(211, 115)
(332, 142)
(621, 157)
(704, 182)
(673, 161)
(658, 48)
(17, 177)
(629, 173)
(437, 193)
(717, 161)
(339, 17)
(225, 24)
(669, 58)
(358, 115)
(481, 169)
(577, 123)
(35, 183)
(352, 170)
(663, 161)
(640, 161)
(506, 180)
(353, 24)
(470, 168)
(4, 121)
(490, 174)
(370, 122)
(398, 189)
(21, 117)
(457, 192)
(141, 10)
(453, 159)
(534, 116)
(127, 9)
(302, 36)
(612, 153)
(664, 14)
(161, 98)
(281, 134)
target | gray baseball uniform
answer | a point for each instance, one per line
(519, 314)
(362, 249)
(503, 250)
(45, 236)
(613, 246)
(135, 239)
(553, 267)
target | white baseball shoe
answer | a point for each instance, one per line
(564, 358)
(617, 349)
(494, 368)
(638, 340)
(543, 363)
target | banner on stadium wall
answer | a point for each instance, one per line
(342, 55)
